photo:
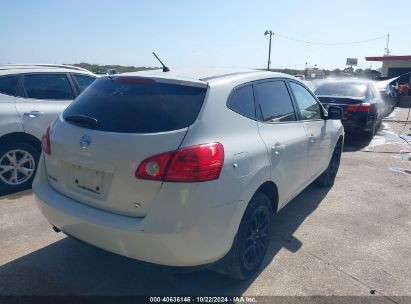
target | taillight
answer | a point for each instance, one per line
(134, 80)
(364, 107)
(191, 164)
(154, 167)
(196, 164)
(45, 140)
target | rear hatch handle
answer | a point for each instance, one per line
(278, 148)
(312, 138)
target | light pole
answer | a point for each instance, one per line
(269, 32)
(306, 70)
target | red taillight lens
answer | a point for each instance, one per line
(134, 80)
(364, 107)
(45, 141)
(196, 164)
(154, 167)
(192, 164)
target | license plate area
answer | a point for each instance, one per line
(343, 108)
(88, 179)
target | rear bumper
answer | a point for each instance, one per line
(198, 236)
(360, 124)
(353, 121)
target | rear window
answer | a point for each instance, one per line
(342, 89)
(136, 105)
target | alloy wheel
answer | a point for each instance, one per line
(256, 238)
(16, 167)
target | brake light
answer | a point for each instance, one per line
(196, 164)
(134, 80)
(364, 107)
(154, 167)
(191, 164)
(45, 140)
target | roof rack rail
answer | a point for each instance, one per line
(28, 66)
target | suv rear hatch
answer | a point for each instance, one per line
(99, 141)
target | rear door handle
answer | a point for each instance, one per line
(313, 138)
(33, 114)
(278, 147)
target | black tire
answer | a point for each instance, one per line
(371, 133)
(254, 232)
(30, 166)
(327, 178)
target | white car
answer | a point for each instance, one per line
(31, 96)
(185, 168)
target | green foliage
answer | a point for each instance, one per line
(102, 69)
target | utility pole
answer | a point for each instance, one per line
(269, 32)
(387, 50)
(306, 70)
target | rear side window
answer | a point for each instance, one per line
(8, 85)
(83, 81)
(274, 102)
(136, 105)
(48, 86)
(242, 101)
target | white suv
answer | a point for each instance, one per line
(31, 96)
(185, 168)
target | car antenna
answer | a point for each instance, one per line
(165, 69)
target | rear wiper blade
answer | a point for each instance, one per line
(83, 119)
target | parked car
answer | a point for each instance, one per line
(185, 169)
(363, 108)
(31, 96)
(388, 94)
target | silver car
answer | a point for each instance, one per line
(31, 97)
(185, 168)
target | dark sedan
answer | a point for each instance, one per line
(363, 109)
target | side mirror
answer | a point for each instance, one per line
(335, 112)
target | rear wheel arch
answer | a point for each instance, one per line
(22, 138)
(235, 262)
(270, 189)
(340, 140)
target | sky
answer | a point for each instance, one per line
(187, 33)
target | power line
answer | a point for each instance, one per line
(330, 43)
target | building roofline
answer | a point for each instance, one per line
(386, 58)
